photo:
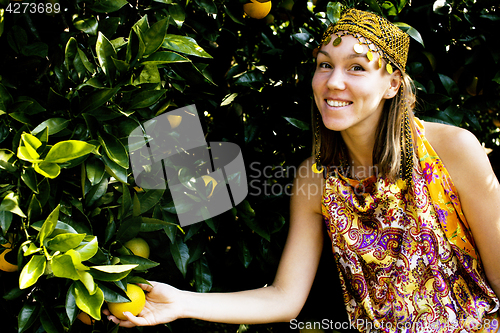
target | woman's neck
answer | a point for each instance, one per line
(360, 153)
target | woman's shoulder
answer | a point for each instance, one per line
(459, 149)
(308, 186)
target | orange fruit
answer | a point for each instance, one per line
(85, 318)
(137, 298)
(138, 246)
(256, 9)
(5, 265)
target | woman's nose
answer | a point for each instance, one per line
(336, 81)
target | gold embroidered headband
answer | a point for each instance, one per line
(379, 35)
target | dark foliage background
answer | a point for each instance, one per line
(98, 69)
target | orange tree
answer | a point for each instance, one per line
(77, 77)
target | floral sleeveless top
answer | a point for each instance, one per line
(407, 261)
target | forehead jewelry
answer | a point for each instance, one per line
(378, 34)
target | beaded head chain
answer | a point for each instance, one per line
(391, 44)
(377, 33)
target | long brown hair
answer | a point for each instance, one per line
(388, 144)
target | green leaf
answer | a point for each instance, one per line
(126, 201)
(29, 178)
(114, 269)
(108, 6)
(143, 263)
(450, 85)
(65, 242)
(7, 160)
(113, 295)
(95, 170)
(5, 220)
(202, 276)
(333, 11)
(115, 150)
(88, 25)
(298, 123)
(70, 305)
(183, 44)
(96, 192)
(27, 148)
(255, 226)
(180, 254)
(150, 199)
(32, 271)
(49, 170)
(63, 267)
(114, 169)
(27, 316)
(88, 281)
(10, 203)
(150, 224)
(154, 36)
(65, 151)
(98, 98)
(55, 125)
(177, 13)
(90, 304)
(36, 49)
(88, 249)
(410, 31)
(146, 98)
(105, 52)
(49, 225)
(374, 6)
(244, 253)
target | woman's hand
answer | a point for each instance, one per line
(162, 306)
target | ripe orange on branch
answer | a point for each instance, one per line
(256, 9)
(138, 301)
(5, 265)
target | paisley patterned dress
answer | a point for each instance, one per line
(407, 261)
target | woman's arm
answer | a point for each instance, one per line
(281, 301)
(478, 190)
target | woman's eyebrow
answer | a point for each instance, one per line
(350, 56)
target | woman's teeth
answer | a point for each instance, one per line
(336, 103)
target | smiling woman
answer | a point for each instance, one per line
(412, 254)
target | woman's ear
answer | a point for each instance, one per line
(395, 83)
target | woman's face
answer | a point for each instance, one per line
(349, 90)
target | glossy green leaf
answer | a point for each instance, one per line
(32, 271)
(7, 160)
(88, 281)
(27, 149)
(108, 6)
(184, 44)
(29, 178)
(105, 52)
(450, 85)
(153, 37)
(27, 316)
(333, 11)
(150, 224)
(115, 150)
(88, 249)
(90, 304)
(65, 242)
(143, 263)
(202, 276)
(150, 199)
(49, 225)
(114, 269)
(96, 192)
(5, 220)
(113, 295)
(70, 305)
(94, 170)
(63, 267)
(297, 123)
(65, 151)
(180, 254)
(177, 13)
(114, 169)
(54, 125)
(47, 169)
(88, 25)
(208, 6)
(244, 253)
(410, 31)
(149, 75)
(10, 203)
(146, 98)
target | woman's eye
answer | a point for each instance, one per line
(357, 68)
(324, 65)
